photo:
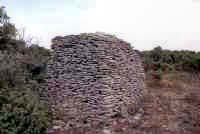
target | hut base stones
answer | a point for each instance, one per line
(95, 83)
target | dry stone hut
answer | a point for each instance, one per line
(93, 80)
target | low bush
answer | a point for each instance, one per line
(21, 112)
(168, 60)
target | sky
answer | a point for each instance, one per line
(172, 24)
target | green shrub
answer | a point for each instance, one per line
(22, 113)
(167, 60)
(22, 67)
(12, 73)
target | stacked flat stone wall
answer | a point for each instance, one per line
(93, 80)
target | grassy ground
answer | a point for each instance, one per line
(173, 105)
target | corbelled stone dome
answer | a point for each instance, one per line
(93, 80)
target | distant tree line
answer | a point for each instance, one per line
(159, 61)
